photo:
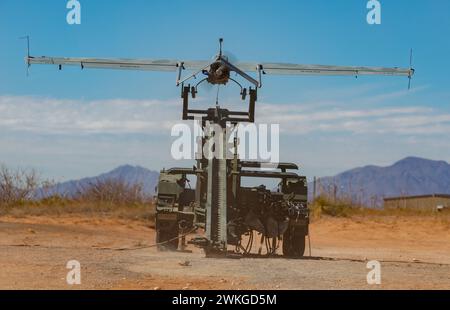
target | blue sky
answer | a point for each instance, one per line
(77, 123)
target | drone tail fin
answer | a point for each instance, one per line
(27, 59)
(412, 71)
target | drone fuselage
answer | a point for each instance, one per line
(218, 73)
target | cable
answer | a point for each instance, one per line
(152, 245)
(268, 249)
(217, 95)
(249, 246)
(247, 249)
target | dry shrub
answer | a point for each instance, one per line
(112, 192)
(17, 186)
(329, 206)
(323, 205)
(22, 193)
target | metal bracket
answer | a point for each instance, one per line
(180, 67)
(231, 116)
(260, 73)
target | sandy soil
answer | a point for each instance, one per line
(414, 254)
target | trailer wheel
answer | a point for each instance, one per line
(167, 240)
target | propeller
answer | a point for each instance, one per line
(232, 58)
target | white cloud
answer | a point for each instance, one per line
(54, 116)
(399, 120)
(125, 116)
(75, 138)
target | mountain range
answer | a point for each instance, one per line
(128, 174)
(367, 185)
(370, 184)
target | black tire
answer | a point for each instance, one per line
(294, 242)
(287, 244)
(167, 240)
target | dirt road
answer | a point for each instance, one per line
(414, 254)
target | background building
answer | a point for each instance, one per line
(419, 202)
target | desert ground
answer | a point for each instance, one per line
(114, 253)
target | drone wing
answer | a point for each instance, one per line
(118, 63)
(297, 69)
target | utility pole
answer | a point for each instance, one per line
(314, 189)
